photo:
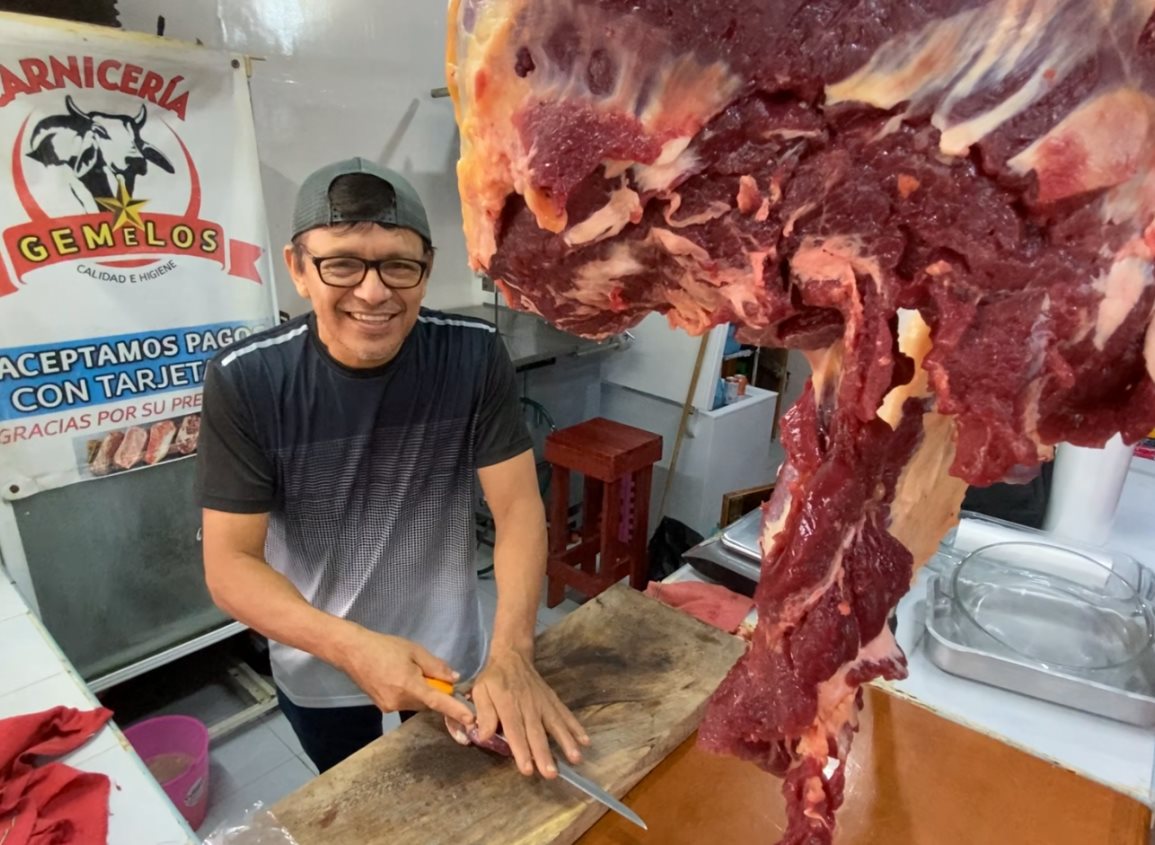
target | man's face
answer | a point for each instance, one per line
(365, 325)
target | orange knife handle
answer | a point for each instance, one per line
(439, 685)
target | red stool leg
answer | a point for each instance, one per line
(609, 567)
(558, 535)
(591, 523)
(639, 551)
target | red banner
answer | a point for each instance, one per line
(45, 242)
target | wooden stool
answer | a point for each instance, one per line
(615, 460)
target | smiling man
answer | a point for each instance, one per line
(336, 464)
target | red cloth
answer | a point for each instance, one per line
(51, 804)
(711, 603)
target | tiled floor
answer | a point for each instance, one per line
(264, 761)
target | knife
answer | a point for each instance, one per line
(566, 773)
(564, 770)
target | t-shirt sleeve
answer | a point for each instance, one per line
(234, 473)
(501, 431)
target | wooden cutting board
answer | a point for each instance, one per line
(913, 778)
(635, 672)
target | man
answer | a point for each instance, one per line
(336, 466)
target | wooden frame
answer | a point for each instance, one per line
(737, 503)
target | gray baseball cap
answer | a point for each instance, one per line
(313, 208)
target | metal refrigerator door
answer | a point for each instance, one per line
(116, 565)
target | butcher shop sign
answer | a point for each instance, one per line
(133, 247)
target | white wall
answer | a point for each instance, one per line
(570, 390)
(340, 78)
(661, 362)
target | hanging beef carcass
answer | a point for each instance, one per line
(947, 204)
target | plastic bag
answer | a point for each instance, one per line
(258, 827)
(669, 543)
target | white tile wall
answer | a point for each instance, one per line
(25, 658)
(10, 602)
(138, 812)
(30, 698)
(104, 742)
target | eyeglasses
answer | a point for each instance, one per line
(348, 271)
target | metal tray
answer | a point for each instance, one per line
(744, 536)
(733, 571)
(1124, 695)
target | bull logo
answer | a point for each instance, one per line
(89, 163)
(100, 151)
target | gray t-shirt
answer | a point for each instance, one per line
(368, 480)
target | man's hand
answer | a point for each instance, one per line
(510, 692)
(392, 672)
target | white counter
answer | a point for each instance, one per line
(35, 676)
(1115, 754)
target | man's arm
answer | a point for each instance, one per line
(509, 690)
(519, 551)
(245, 587)
(390, 670)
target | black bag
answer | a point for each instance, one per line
(669, 543)
(1024, 504)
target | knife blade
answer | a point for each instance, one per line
(564, 770)
(566, 773)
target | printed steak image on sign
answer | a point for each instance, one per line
(101, 462)
(186, 437)
(159, 440)
(132, 247)
(131, 448)
(137, 447)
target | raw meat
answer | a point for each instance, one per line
(948, 204)
(102, 463)
(160, 438)
(131, 449)
(187, 435)
(709, 603)
(496, 743)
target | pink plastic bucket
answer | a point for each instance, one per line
(177, 749)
